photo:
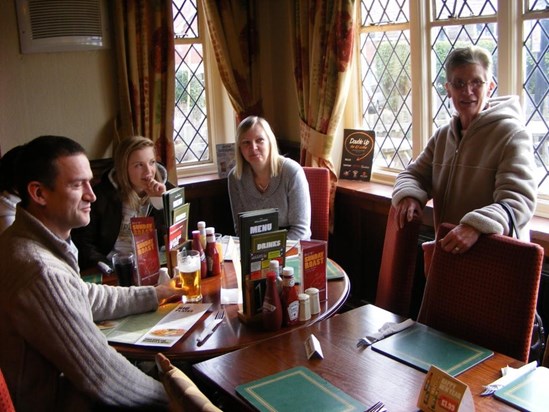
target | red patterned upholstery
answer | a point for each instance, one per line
(398, 264)
(487, 295)
(319, 188)
(6, 405)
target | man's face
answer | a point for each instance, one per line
(68, 205)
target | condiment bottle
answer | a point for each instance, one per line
(197, 245)
(201, 226)
(212, 253)
(163, 276)
(274, 266)
(272, 308)
(290, 300)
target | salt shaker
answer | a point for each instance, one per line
(314, 300)
(304, 307)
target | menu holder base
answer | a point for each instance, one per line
(252, 321)
(171, 256)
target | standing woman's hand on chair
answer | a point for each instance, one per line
(406, 209)
(460, 239)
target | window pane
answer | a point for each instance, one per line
(446, 39)
(384, 11)
(448, 9)
(185, 19)
(536, 92)
(534, 5)
(190, 120)
(386, 95)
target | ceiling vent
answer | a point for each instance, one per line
(62, 25)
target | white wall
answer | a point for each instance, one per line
(71, 93)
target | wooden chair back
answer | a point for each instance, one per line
(487, 295)
(398, 265)
(319, 189)
(6, 404)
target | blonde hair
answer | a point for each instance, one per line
(121, 176)
(275, 159)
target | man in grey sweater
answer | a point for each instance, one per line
(53, 355)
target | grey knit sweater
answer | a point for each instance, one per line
(53, 356)
(289, 192)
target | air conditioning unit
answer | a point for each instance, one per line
(62, 25)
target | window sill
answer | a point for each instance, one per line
(539, 226)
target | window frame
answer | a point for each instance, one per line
(221, 118)
(510, 73)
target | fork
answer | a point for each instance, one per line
(376, 407)
(206, 333)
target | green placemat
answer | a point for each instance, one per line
(529, 392)
(297, 389)
(332, 271)
(420, 347)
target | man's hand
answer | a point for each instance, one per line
(406, 209)
(168, 292)
(460, 239)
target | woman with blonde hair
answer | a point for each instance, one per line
(125, 191)
(262, 178)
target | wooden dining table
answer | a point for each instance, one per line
(366, 375)
(233, 333)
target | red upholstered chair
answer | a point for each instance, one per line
(398, 264)
(319, 188)
(487, 295)
(6, 405)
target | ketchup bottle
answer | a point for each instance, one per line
(272, 308)
(290, 299)
(197, 245)
(212, 253)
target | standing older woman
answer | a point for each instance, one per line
(125, 191)
(262, 178)
(482, 157)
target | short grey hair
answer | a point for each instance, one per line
(469, 55)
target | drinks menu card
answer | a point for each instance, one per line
(163, 327)
(297, 389)
(421, 346)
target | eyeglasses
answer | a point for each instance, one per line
(475, 84)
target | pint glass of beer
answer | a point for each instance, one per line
(188, 265)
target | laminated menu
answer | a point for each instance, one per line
(314, 254)
(145, 244)
(163, 327)
(250, 224)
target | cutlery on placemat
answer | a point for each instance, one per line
(509, 376)
(212, 325)
(387, 329)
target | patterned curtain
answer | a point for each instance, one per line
(231, 24)
(145, 55)
(323, 34)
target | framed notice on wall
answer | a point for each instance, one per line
(357, 154)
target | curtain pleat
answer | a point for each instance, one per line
(144, 45)
(232, 29)
(322, 33)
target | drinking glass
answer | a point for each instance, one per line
(124, 266)
(188, 266)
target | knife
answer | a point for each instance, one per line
(210, 329)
